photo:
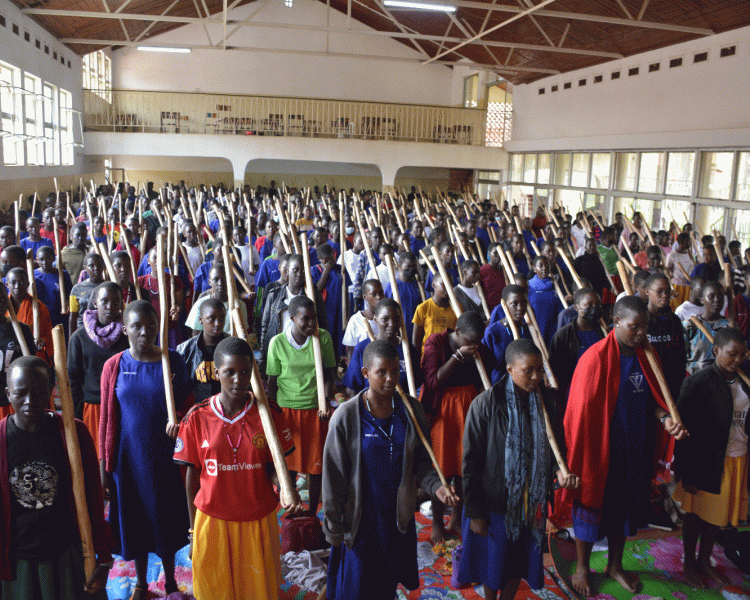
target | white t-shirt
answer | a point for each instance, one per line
(285, 318)
(194, 257)
(673, 259)
(737, 445)
(245, 256)
(356, 331)
(687, 309)
(472, 293)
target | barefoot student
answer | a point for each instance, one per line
(451, 383)
(371, 460)
(40, 548)
(508, 469)
(234, 533)
(615, 407)
(711, 464)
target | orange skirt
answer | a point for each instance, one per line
(448, 428)
(729, 506)
(681, 294)
(309, 435)
(6, 410)
(91, 415)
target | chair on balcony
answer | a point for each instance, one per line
(246, 126)
(462, 134)
(388, 128)
(123, 121)
(273, 125)
(312, 128)
(295, 125)
(370, 127)
(342, 127)
(170, 122)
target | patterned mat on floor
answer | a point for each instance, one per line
(658, 564)
(435, 575)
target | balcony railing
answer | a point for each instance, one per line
(183, 113)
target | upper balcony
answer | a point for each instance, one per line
(223, 114)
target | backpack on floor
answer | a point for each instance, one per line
(301, 533)
(736, 548)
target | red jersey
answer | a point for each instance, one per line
(61, 236)
(232, 456)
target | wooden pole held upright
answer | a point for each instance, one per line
(317, 350)
(405, 348)
(74, 451)
(34, 300)
(458, 310)
(656, 368)
(17, 329)
(164, 329)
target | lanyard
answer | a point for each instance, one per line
(388, 436)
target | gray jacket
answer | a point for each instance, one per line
(342, 472)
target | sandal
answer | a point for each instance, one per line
(141, 593)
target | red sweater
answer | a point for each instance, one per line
(493, 283)
(94, 500)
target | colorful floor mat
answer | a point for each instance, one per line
(435, 576)
(658, 563)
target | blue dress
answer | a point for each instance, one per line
(626, 502)
(382, 556)
(149, 510)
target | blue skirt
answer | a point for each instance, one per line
(494, 560)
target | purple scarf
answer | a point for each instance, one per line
(103, 336)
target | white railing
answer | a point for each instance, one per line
(167, 112)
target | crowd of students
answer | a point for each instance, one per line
(520, 320)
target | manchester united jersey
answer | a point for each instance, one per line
(232, 456)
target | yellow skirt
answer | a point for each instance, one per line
(236, 560)
(681, 294)
(729, 506)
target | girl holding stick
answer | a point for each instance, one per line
(148, 510)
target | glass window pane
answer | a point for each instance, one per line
(625, 168)
(716, 174)
(680, 171)
(743, 176)
(708, 218)
(543, 168)
(630, 205)
(580, 171)
(742, 227)
(562, 169)
(674, 210)
(529, 169)
(570, 199)
(516, 172)
(600, 170)
(651, 175)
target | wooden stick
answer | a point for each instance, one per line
(164, 329)
(107, 262)
(129, 250)
(17, 329)
(388, 259)
(17, 211)
(37, 319)
(458, 310)
(654, 363)
(624, 277)
(232, 298)
(414, 421)
(342, 251)
(569, 264)
(74, 451)
(60, 279)
(483, 299)
(710, 338)
(317, 350)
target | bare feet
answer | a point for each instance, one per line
(438, 533)
(713, 574)
(692, 575)
(454, 527)
(580, 581)
(629, 581)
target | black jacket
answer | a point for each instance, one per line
(563, 357)
(668, 339)
(706, 408)
(484, 450)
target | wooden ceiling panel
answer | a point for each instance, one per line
(580, 35)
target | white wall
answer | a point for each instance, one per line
(284, 74)
(14, 50)
(695, 105)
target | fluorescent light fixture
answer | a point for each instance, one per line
(419, 5)
(163, 49)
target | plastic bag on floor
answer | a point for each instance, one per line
(304, 569)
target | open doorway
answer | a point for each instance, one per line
(499, 113)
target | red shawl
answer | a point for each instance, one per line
(591, 404)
